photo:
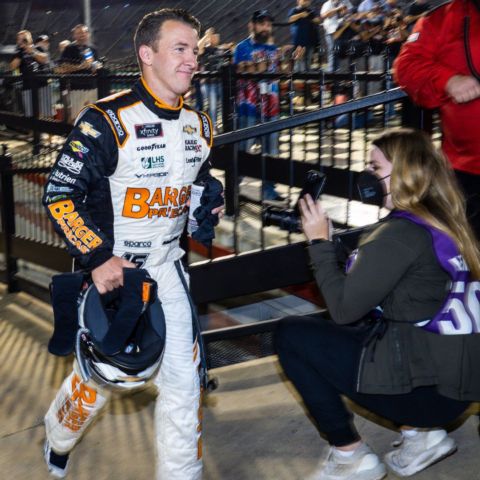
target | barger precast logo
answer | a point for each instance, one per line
(153, 162)
(149, 130)
(72, 165)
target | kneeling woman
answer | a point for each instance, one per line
(403, 337)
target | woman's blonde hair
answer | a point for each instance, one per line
(423, 183)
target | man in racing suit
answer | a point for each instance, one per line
(118, 194)
(439, 67)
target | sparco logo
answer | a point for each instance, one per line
(149, 130)
(72, 165)
(116, 122)
(153, 146)
(153, 162)
(132, 244)
(206, 127)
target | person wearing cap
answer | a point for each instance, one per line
(259, 101)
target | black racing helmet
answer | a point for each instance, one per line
(121, 338)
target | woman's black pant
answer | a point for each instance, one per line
(321, 359)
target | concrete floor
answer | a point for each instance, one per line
(254, 425)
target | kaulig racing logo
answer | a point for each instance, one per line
(153, 162)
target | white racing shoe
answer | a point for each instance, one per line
(57, 464)
(420, 451)
(362, 465)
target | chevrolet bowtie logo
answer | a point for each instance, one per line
(87, 129)
(189, 129)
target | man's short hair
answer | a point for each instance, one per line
(149, 27)
(78, 26)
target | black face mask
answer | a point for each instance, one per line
(372, 190)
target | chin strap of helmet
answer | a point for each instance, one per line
(207, 385)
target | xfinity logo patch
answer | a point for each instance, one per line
(116, 122)
(133, 244)
(149, 130)
(153, 162)
(72, 165)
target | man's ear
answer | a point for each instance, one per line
(145, 54)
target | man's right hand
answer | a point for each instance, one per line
(109, 275)
(463, 88)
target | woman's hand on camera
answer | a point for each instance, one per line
(315, 222)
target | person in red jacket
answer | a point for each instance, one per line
(439, 67)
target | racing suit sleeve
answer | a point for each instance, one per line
(88, 156)
(418, 68)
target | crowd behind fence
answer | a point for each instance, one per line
(307, 140)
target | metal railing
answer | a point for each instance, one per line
(338, 150)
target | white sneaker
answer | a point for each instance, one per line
(362, 465)
(418, 452)
(57, 464)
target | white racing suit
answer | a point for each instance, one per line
(120, 187)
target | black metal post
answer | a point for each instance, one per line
(103, 83)
(8, 218)
(229, 91)
(36, 116)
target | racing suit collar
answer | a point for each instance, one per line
(155, 104)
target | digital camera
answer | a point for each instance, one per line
(289, 219)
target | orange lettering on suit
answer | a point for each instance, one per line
(73, 414)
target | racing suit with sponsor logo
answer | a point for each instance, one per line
(441, 46)
(120, 187)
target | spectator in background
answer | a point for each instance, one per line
(439, 67)
(27, 59)
(42, 44)
(304, 30)
(212, 57)
(80, 57)
(259, 101)
(62, 46)
(332, 13)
